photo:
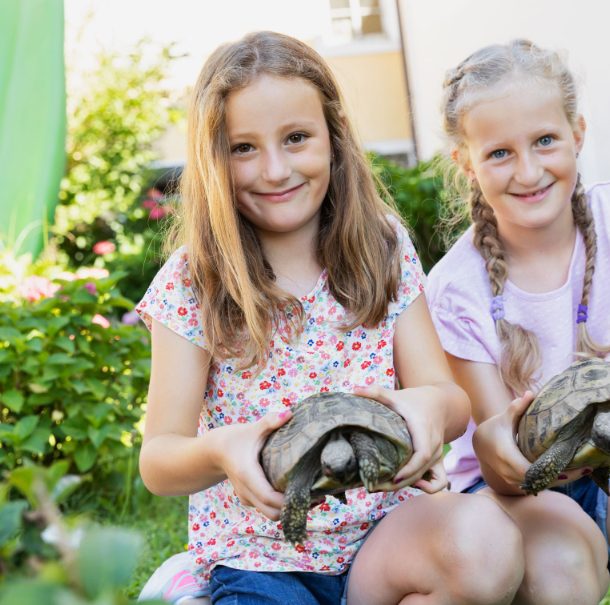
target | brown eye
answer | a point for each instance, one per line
(297, 137)
(242, 148)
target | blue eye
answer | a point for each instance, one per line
(498, 154)
(546, 140)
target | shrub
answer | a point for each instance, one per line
(102, 218)
(421, 200)
(72, 377)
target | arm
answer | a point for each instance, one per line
(173, 460)
(502, 464)
(436, 410)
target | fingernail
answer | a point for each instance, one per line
(284, 414)
(562, 476)
(587, 471)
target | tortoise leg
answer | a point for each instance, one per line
(297, 501)
(601, 476)
(367, 455)
(546, 469)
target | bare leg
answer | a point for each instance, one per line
(565, 552)
(445, 549)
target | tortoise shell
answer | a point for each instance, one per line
(582, 384)
(315, 417)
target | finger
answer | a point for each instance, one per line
(416, 467)
(434, 479)
(377, 393)
(273, 421)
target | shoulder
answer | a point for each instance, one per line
(461, 268)
(598, 195)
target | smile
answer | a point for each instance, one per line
(279, 196)
(533, 196)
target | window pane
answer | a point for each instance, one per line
(371, 24)
(339, 4)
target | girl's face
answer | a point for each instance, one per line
(521, 149)
(280, 153)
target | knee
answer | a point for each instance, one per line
(484, 553)
(565, 577)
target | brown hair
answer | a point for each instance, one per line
(235, 285)
(463, 87)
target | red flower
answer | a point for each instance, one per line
(340, 345)
(347, 362)
(249, 529)
(182, 311)
(220, 393)
(264, 385)
(356, 346)
(364, 526)
(365, 364)
(300, 548)
(104, 247)
(211, 542)
(212, 515)
(381, 344)
(196, 527)
(228, 420)
(286, 401)
(340, 559)
(324, 506)
(312, 375)
(324, 390)
(245, 375)
(281, 372)
(169, 285)
(390, 371)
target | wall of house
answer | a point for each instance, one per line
(439, 34)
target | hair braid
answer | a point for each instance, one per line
(585, 223)
(520, 357)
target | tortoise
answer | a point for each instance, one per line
(334, 441)
(568, 426)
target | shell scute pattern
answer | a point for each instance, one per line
(315, 417)
(582, 384)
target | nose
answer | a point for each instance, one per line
(276, 166)
(529, 169)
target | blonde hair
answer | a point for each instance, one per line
(463, 88)
(240, 303)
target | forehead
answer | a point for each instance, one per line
(271, 101)
(513, 108)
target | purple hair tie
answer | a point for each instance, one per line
(497, 307)
(581, 315)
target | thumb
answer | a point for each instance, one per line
(274, 421)
(518, 406)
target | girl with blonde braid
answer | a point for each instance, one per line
(521, 294)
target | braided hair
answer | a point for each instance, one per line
(464, 86)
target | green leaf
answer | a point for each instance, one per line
(85, 456)
(38, 388)
(26, 592)
(106, 559)
(37, 442)
(13, 400)
(63, 342)
(60, 359)
(9, 334)
(25, 426)
(10, 519)
(65, 487)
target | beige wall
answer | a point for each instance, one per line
(440, 33)
(376, 96)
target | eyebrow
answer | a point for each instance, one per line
(287, 127)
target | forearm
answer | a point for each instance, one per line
(172, 464)
(498, 484)
(455, 408)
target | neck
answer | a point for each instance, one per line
(293, 258)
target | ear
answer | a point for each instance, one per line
(579, 132)
(459, 156)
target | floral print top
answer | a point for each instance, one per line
(323, 358)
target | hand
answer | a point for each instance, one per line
(494, 442)
(420, 408)
(241, 446)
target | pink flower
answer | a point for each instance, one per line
(91, 288)
(35, 287)
(131, 318)
(100, 320)
(156, 213)
(103, 247)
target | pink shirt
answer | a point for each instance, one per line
(459, 296)
(324, 358)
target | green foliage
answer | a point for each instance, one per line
(72, 378)
(122, 110)
(421, 200)
(49, 559)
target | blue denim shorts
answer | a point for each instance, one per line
(240, 587)
(584, 491)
